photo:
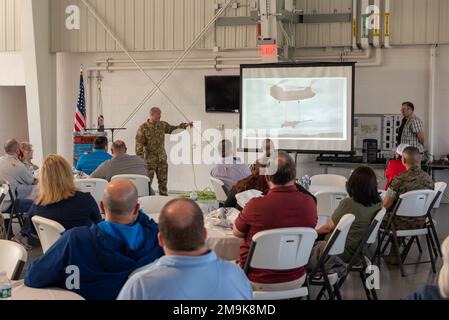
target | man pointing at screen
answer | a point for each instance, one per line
(150, 146)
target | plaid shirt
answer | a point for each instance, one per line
(413, 126)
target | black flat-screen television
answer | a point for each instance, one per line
(223, 94)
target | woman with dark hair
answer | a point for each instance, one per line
(254, 182)
(363, 202)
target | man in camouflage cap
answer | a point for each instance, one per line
(150, 146)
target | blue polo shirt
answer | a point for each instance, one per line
(204, 277)
(88, 163)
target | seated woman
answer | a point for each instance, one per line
(395, 166)
(440, 292)
(254, 182)
(59, 200)
(26, 155)
(363, 202)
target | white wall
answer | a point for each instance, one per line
(12, 71)
(13, 110)
(403, 75)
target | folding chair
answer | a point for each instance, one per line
(142, 183)
(154, 204)
(440, 187)
(281, 249)
(327, 202)
(329, 180)
(95, 187)
(360, 266)
(6, 196)
(218, 187)
(13, 258)
(334, 247)
(49, 231)
(413, 204)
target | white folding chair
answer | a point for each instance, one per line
(334, 247)
(13, 257)
(327, 202)
(281, 249)
(142, 183)
(328, 180)
(49, 231)
(360, 265)
(218, 185)
(413, 204)
(154, 204)
(441, 188)
(95, 187)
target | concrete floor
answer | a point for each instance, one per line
(392, 285)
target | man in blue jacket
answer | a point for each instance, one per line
(88, 163)
(104, 254)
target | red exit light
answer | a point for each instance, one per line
(269, 50)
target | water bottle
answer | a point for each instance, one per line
(5, 287)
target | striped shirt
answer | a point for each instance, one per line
(412, 127)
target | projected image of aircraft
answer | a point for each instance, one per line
(288, 91)
(293, 124)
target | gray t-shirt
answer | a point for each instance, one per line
(15, 172)
(122, 164)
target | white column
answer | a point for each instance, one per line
(40, 76)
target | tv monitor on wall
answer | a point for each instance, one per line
(223, 94)
(308, 108)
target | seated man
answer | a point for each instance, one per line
(12, 169)
(283, 207)
(121, 163)
(105, 254)
(413, 179)
(189, 270)
(230, 170)
(89, 162)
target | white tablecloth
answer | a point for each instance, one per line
(224, 243)
(219, 239)
(22, 292)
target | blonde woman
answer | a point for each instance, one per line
(59, 200)
(26, 155)
(440, 292)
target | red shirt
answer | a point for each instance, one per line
(395, 168)
(283, 207)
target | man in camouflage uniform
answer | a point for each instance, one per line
(413, 179)
(150, 146)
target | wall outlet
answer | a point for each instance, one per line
(235, 5)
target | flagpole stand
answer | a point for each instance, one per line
(113, 131)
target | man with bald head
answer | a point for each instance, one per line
(189, 270)
(150, 146)
(121, 163)
(103, 255)
(12, 169)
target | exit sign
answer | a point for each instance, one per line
(269, 50)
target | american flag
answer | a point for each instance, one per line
(80, 116)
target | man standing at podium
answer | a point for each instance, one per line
(150, 146)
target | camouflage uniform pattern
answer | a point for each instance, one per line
(411, 180)
(150, 146)
(2, 228)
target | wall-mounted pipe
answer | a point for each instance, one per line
(432, 81)
(376, 22)
(364, 31)
(162, 67)
(387, 24)
(354, 24)
(213, 59)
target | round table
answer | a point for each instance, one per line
(22, 292)
(219, 239)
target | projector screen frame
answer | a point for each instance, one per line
(302, 65)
